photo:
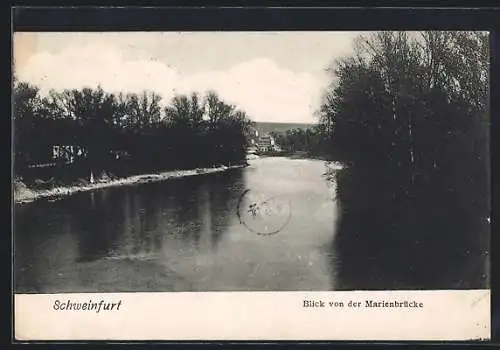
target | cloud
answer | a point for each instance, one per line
(258, 86)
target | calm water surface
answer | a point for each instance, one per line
(190, 234)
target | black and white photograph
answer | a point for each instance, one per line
(250, 161)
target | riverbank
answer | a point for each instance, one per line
(24, 194)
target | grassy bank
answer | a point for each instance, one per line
(52, 191)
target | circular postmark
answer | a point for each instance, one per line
(263, 215)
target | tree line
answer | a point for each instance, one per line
(408, 113)
(313, 141)
(123, 133)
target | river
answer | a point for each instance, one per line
(266, 227)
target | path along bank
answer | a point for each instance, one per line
(24, 194)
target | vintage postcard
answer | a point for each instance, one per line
(251, 185)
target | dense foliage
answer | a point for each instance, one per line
(313, 141)
(122, 133)
(408, 114)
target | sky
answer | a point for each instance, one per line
(273, 76)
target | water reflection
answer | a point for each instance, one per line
(380, 245)
(158, 216)
(185, 235)
(181, 235)
(70, 239)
